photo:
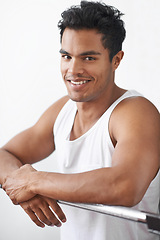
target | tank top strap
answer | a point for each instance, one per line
(127, 94)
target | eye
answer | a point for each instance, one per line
(66, 57)
(90, 58)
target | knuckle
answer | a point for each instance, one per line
(14, 202)
(33, 205)
(11, 197)
(56, 222)
(45, 220)
(26, 208)
(42, 218)
(52, 219)
(7, 191)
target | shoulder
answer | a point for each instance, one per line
(136, 107)
(48, 118)
(56, 107)
(134, 115)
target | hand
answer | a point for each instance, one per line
(17, 184)
(39, 210)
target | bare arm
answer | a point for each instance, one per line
(31, 146)
(135, 130)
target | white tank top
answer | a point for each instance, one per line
(94, 150)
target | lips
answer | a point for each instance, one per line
(79, 82)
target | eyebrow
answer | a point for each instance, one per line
(92, 52)
(63, 52)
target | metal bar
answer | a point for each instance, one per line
(122, 212)
(151, 220)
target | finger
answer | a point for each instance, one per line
(39, 213)
(48, 213)
(44, 204)
(34, 218)
(13, 199)
(11, 196)
(4, 186)
(58, 211)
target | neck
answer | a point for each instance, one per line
(88, 113)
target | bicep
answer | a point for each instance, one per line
(136, 167)
(136, 154)
(30, 146)
(37, 142)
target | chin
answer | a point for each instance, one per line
(80, 99)
(76, 99)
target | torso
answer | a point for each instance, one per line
(91, 150)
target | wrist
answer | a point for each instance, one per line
(7, 174)
(41, 184)
(35, 182)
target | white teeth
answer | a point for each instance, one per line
(79, 83)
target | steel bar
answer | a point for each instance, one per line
(151, 220)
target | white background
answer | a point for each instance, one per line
(30, 79)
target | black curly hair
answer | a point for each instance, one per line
(96, 15)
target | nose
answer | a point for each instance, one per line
(75, 67)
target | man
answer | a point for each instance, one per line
(106, 138)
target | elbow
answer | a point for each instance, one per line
(127, 195)
(130, 201)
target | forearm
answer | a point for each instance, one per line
(89, 187)
(110, 186)
(8, 163)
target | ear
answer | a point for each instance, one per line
(117, 59)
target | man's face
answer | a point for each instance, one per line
(85, 65)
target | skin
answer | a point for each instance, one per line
(134, 128)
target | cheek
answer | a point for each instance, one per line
(63, 69)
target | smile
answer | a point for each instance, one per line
(79, 83)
